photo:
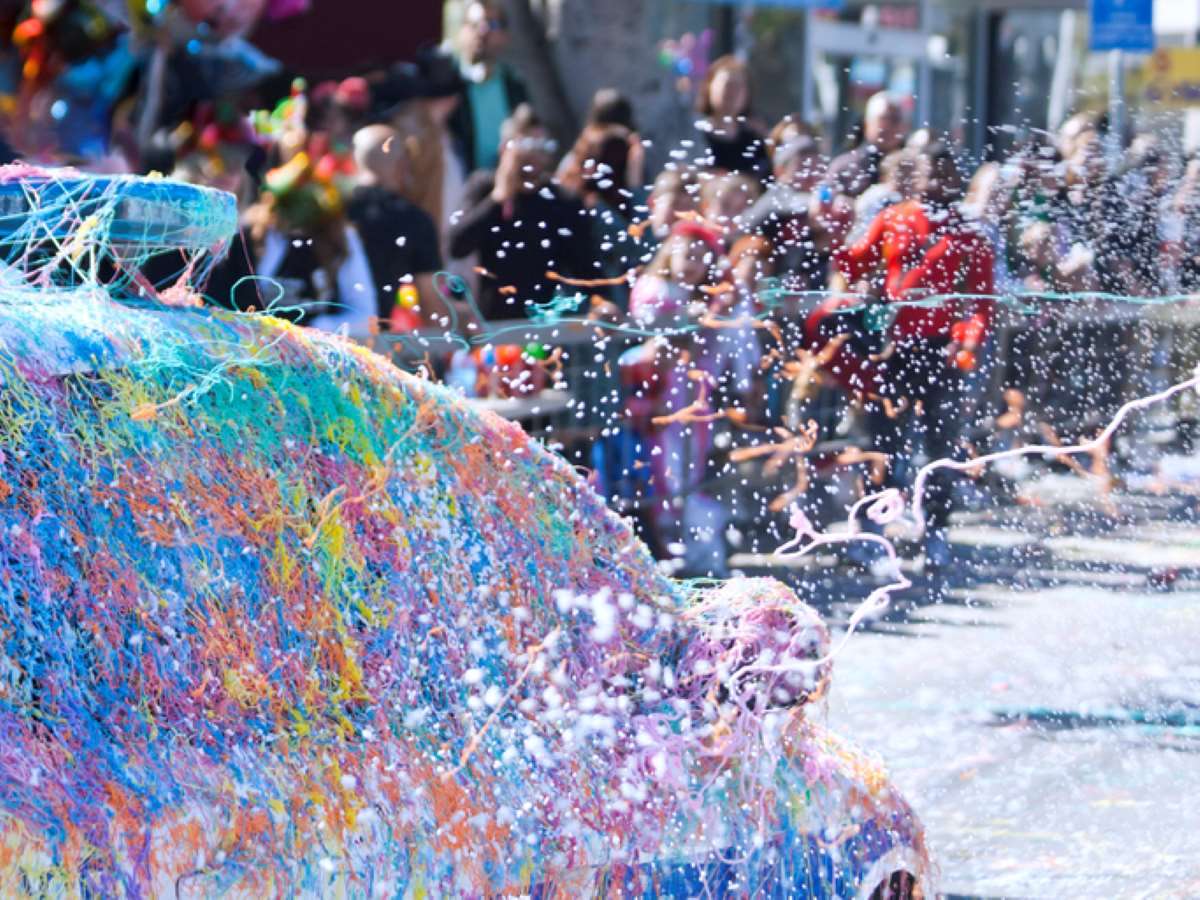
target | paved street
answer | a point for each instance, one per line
(1043, 714)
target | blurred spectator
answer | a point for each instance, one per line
(303, 242)
(732, 143)
(1077, 130)
(1184, 227)
(670, 400)
(609, 107)
(955, 261)
(400, 239)
(789, 128)
(336, 110)
(599, 162)
(1042, 271)
(921, 140)
(687, 261)
(1036, 184)
(724, 202)
(781, 214)
(986, 204)
(427, 96)
(522, 227)
(897, 183)
(675, 194)
(751, 262)
(432, 91)
(597, 176)
(492, 93)
(884, 127)
(1145, 189)
(932, 347)
(1094, 209)
(891, 244)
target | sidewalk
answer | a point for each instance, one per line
(1042, 712)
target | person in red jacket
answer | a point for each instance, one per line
(873, 267)
(927, 274)
(941, 303)
(891, 245)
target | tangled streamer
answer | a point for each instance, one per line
(889, 506)
(772, 297)
(279, 618)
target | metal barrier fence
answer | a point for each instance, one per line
(574, 406)
(1072, 360)
(1075, 363)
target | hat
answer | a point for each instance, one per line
(400, 84)
(353, 93)
(438, 74)
(697, 231)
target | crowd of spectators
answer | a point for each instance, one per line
(355, 195)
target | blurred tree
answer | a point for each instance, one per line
(535, 59)
(568, 49)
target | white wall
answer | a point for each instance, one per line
(1177, 17)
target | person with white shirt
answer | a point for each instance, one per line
(346, 304)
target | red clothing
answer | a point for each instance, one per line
(918, 263)
(894, 241)
(960, 262)
(848, 367)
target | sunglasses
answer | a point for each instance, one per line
(489, 24)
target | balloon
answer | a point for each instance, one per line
(508, 354)
(537, 351)
(407, 296)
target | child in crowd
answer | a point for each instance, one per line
(686, 261)
(669, 402)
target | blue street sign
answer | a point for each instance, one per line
(1123, 25)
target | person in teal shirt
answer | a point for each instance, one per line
(492, 91)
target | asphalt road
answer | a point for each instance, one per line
(1042, 710)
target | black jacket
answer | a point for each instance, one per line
(462, 123)
(545, 230)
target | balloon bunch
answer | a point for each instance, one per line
(317, 122)
(304, 190)
(287, 115)
(687, 58)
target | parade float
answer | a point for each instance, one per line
(278, 619)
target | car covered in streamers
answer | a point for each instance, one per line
(278, 619)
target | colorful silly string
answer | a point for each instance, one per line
(62, 228)
(365, 602)
(771, 297)
(279, 618)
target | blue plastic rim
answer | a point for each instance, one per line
(129, 211)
